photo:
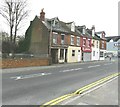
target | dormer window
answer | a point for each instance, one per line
(73, 27)
(54, 22)
(84, 30)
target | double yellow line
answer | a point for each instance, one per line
(79, 91)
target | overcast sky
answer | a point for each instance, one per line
(101, 13)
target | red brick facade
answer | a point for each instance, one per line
(87, 47)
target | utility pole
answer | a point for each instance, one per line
(50, 44)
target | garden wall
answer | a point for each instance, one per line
(15, 63)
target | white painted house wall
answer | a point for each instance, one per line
(77, 54)
(95, 55)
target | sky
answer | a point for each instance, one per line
(101, 13)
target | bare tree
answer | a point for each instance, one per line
(14, 12)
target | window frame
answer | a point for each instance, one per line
(78, 41)
(62, 39)
(72, 39)
(89, 42)
(93, 53)
(54, 36)
(84, 41)
(73, 53)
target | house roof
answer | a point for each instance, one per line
(101, 38)
(95, 36)
(100, 32)
(87, 33)
(114, 38)
(56, 25)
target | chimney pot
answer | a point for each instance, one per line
(42, 15)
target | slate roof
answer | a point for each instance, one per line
(100, 32)
(63, 27)
(87, 34)
(60, 26)
(96, 37)
(114, 38)
(97, 34)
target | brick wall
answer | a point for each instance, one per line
(39, 38)
(104, 44)
(69, 39)
(15, 63)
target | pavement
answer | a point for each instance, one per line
(106, 94)
(20, 69)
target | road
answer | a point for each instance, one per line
(38, 86)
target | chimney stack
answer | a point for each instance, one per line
(42, 15)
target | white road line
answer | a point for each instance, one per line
(39, 74)
(29, 76)
(108, 64)
(71, 70)
(93, 66)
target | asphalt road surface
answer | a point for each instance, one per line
(40, 85)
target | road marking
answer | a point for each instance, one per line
(75, 98)
(71, 70)
(108, 64)
(93, 66)
(80, 91)
(54, 100)
(89, 86)
(29, 76)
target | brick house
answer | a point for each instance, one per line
(102, 34)
(86, 40)
(60, 41)
(54, 39)
(95, 45)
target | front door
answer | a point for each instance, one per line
(65, 55)
(54, 55)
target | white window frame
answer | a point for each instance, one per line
(72, 40)
(78, 41)
(55, 39)
(88, 42)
